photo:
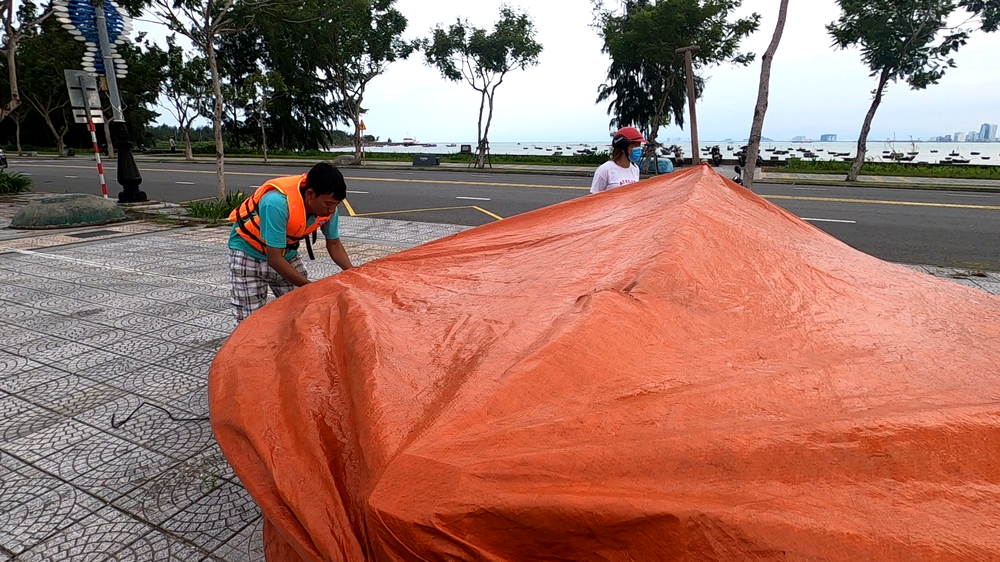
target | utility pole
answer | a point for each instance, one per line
(689, 65)
(128, 173)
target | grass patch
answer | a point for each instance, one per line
(216, 209)
(14, 183)
(957, 171)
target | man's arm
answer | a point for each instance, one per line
(276, 259)
(338, 253)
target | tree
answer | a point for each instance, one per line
(262, 89)
(42, 80)
(27, 23)
(204, 22)
(907, 40)
(646, 79)
(763, 91)
(483, 59)
(359, 42)
(186, 87)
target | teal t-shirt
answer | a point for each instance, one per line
(273, 212)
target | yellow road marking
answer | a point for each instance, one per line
(485, 212)
(883, 202)
(499, 184)
(350, 209)
(195, 200)
(403, 211)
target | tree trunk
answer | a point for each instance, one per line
(188, 152)
(107, 138)
(47, 115)
(480, 149)
(263, 136)
(17, 135)
(763, 92)
(220, 149)
(356, 117)
(15, 96)
(866, 128)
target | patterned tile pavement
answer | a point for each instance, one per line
(105, 347)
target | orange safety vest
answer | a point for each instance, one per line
(248, 222)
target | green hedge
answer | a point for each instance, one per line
(959, 171)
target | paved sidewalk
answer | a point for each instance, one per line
(123, 320)
(97, 323)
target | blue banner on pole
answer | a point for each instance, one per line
(79, 18)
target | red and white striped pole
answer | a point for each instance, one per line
(97, 155)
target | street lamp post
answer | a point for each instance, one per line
(689, 70)
(128, 173)
(90, 23)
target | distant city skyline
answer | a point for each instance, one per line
(987, 133)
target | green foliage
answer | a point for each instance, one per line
(216, 209)
(187, 84)
(892, 169)
(483, 58)
(646, 82)
(357, 44)
(906, 39)
(14, 183)
(140, 89)
(41, 59)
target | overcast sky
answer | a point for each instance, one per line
(814, 89)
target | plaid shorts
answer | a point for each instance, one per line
(249, 279)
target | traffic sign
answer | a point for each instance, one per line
(82, 84)
(362, 127)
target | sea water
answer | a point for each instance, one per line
(981, 153)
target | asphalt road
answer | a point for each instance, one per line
(955, 229)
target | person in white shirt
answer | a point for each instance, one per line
(621, 169)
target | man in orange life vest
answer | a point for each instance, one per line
(270, 224)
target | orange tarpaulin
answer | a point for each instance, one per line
(674, 370)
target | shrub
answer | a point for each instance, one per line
(216, 209)
(14, 183)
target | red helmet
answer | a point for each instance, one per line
(630, 133)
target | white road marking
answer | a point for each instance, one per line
(184, 182)
(969, 195)
(71, 177)
(811, 188)
(830, 220)
(475, 198)
(361, 192)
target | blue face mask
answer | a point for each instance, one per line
(635, 155)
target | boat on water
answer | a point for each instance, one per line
(975, 153)
(454, 145)
(409, 141)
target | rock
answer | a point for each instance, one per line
(67, 211)
(345, 160)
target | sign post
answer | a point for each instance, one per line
(362, 128)
(83, 95)
(101, 27)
